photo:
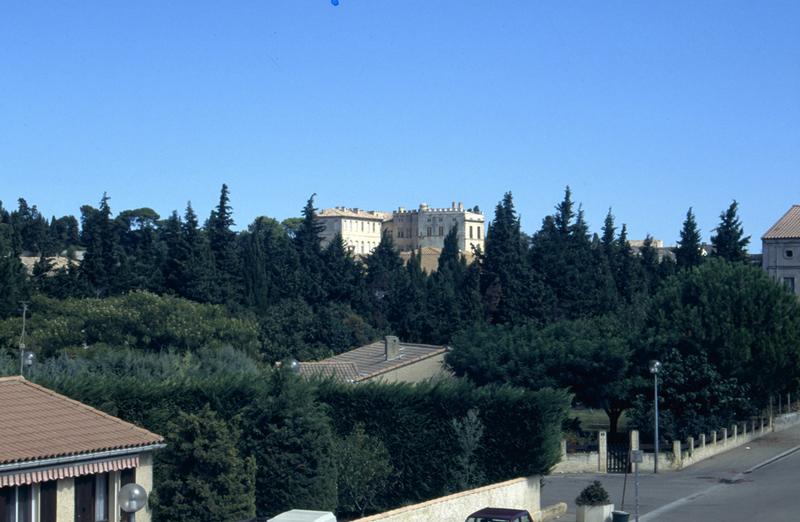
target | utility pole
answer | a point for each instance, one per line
(22, 338)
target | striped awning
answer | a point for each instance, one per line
(32, 476)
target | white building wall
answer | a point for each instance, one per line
(781, 260)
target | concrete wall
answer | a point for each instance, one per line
(416, 372)
(520, 493)
(777, 264)
(144, 477)
(65, 500)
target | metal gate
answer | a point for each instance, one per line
(618, 452)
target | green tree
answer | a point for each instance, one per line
(469, 432)
(363, 468)
(383, 279)
(729, 241)
(202, 475)
(511, 291)
(746, 324)
(290, 436)
(650, 264)
(222, 243)
(308, 243)
(104, 265)
(13, 279)
(687, 253)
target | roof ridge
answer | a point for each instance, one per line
(90, 409)
(11, 378)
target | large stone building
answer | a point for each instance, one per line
(423, 228)
(780, 249)
(427, 227)
(360, 229)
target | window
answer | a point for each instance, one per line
(91, 498)
(362, 226)
(441, 230)
(373, 227)
(470, 236)
(789, 282)
(479, 231)
(17, 504)
(47, 501)
(429, 231)
(788, 254)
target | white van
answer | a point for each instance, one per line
(304, 515)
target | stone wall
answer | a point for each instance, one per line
(522, 493)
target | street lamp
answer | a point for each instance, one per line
(655, 366)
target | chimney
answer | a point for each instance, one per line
(460, 205)
(454, 205)
(391, 347)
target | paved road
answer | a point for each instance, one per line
(715, 489)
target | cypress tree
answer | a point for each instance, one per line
(103, 265)
(197, 268)
(205, 479)
(506, 280)
(687, 253)
(650, 265)
(383, 279)
(13, 279)
(222, 242)
(729, 241)
(308, 244)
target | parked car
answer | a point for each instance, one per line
(491, 514)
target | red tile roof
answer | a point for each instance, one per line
(37, 423)
(787, 227)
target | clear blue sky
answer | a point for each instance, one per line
(646, 107)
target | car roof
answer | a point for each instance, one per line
(499, 512)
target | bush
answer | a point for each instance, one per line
(593, 495)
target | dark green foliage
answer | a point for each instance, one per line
(138, 320)
(590, 357)
(693, 399)
(593, 495)
(511, 291)
(415, 425)
(205, 477)
(748, 326)
(13, 281)
(363, 468)
(290, 436)
(104, 265)
(729, 241)
(687, 253)
(226, 285)
(308, 243)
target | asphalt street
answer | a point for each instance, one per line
(724, 488)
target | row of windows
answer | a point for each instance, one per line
(357, 225)
(38, 502)
(361, 247)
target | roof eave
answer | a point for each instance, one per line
(71, 459)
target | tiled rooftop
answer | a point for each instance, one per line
(370, 361)
(37, 423)
(787, 227)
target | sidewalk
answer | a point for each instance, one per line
(658, 490)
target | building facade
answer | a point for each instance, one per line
(427, 227)
(360, 229)
(63, 461)
(780, 249)
(411, 230)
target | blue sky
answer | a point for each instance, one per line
(646, 107)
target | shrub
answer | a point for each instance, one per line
(593, 495)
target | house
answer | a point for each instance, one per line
(780, 250)
(360, 229)
(387, 361)
(63, 461)
(410, 230)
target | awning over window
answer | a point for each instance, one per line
(22, 477)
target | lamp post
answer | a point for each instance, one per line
(655, 366)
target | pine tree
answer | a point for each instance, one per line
(687, 253)
(308, 244)
(222, 241)
(383, 279)
(406, 310)
(205, 479)
(343, 276)
(629, 275)
(650, 265)
(13, 279)
(729, 241)
(509, 290)
(198, 266)
(103, 265)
